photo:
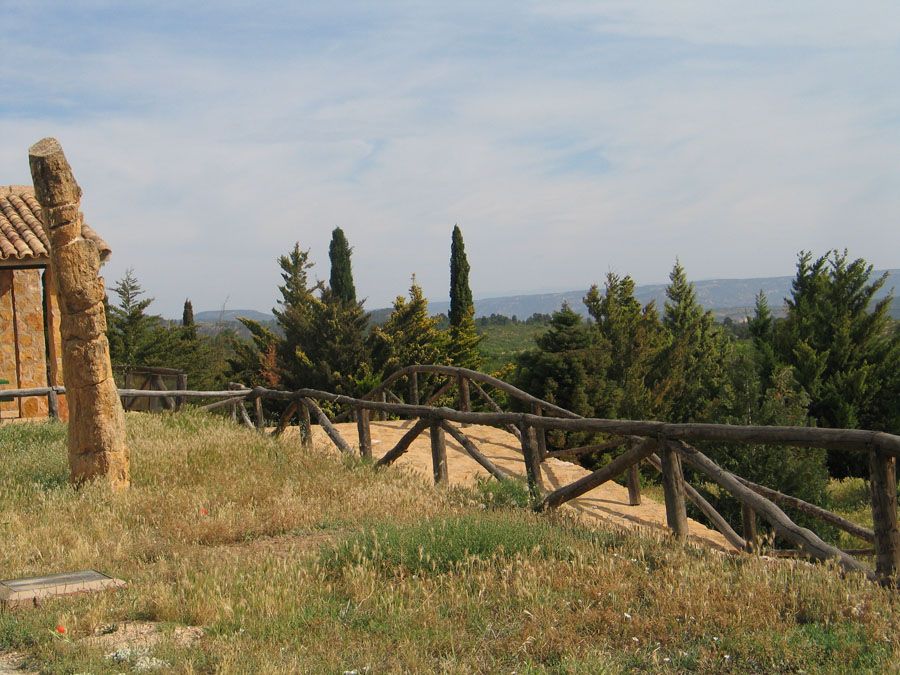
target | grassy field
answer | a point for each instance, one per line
(502, 343)
(294, 560)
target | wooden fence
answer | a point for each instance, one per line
(664, 446)
(151, 379)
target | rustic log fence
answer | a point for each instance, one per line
(148, 378)
(664, 446)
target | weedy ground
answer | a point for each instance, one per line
(294, 560)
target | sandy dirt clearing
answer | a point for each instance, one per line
(605, 504)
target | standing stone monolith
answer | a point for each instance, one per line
(96, 438)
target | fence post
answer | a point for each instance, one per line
(260, 415)
(414, 388)
(465, 402)
(365, 434)
(532, 460)
(540, 434)
(53, 404)
(748, 518)
(439, 453)
(634, 485)
(673, 487)
(180, 383)
(305, 425)
(883, 482)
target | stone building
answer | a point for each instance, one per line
(30, 346)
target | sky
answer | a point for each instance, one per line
(567, 139)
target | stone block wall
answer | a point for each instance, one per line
(8, 360)
(23, 346)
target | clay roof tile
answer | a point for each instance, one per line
(22, 228)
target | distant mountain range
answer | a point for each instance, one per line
(734, 298)
(228, 315)
(724, 297)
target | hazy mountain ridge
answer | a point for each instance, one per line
(724, 297)
(734, 298)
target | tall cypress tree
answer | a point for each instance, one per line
(341, 280)
(340, 354)
(464, 338)
(187, 320)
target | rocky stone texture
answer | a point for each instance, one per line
(8, 358)
(96, 437)
(52, 319)
(23, 360)
(32, 362)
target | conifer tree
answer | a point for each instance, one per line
(187, 320)
(762, 331)
(339, 356)
(689, 373)
(561, 369)
(634, 335)
(410, 336)
(341, 280)
(132, 332)
(464, 338)
(295, 315)
(841, 346)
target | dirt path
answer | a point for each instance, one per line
(607, 503)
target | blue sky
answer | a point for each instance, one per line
(567, 139)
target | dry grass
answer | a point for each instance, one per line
(294, 560)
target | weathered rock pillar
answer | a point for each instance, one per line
(96, 436)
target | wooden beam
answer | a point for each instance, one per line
(673, 489)
(883, 483)
(783, 525)
(329, 428)
(634, 485)
(404, 443)
(474, 452)
(708, 510)
(439, 453)
(600, 476)
(414, 388)
(748, 521)
(858, 531)
(305, 426)
(365, 434)
(285, 419)
(532, 460)
(512, 428)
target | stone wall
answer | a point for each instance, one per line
(23, 346)
(8, 359)
(54, 343)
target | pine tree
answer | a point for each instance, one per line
(762, 332)
(132, 332)
(464, 338)
(689, 374)
(341, 280)
(635, 338)
(296, 316)
(410, 336)
(840, 344)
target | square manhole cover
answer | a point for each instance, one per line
(31, 589)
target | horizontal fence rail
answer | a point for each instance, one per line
(662, 445)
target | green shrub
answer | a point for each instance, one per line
(503, 494)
